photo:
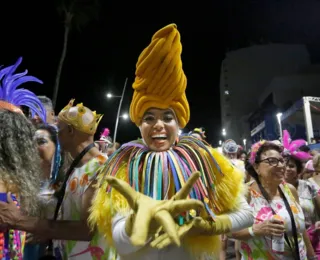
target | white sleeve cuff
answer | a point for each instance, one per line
(121, 239)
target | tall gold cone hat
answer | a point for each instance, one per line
(160, 81)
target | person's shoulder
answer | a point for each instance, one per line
(101, 158)
(292, 189)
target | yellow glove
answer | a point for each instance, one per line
(149, 212)
(196, 227)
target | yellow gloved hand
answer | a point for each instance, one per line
(196, 227)
(148, 211)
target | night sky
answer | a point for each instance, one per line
(105, 52)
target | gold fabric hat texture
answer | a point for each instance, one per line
(160, 81)
(80, 117)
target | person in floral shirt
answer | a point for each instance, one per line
(268, 196)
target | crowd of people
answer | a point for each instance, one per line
(65, 195)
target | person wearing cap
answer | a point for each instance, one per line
(230, 150)
(199, 133)
(308, 171)
(165, 196)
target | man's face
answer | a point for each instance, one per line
(64, 135)
(50, 117)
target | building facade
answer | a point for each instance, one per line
(245, 76)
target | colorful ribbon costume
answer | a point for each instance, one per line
(160, 83)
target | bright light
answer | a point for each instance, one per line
(244, 141)
(220, 142)
(279, 115)
(226, 92)
(180, 132)
(109, 95)
(125, 116)
(224, 133)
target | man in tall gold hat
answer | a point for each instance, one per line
(159, 198)
(72, 237)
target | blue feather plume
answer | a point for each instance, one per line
(9, 82)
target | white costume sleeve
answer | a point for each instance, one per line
(242, 217)
(121, 239)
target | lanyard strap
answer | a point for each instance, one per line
(60, 194)
(295, 249)
(62, 191)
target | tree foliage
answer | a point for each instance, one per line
(78, 13)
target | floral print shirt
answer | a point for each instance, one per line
(307, 191)
(79, 181)
(260, 248)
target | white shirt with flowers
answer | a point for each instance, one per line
(77, 185)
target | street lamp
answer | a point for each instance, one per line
(245, 144)
(279, 115)
(125, 116)
(110, 95)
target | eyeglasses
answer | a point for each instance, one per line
(272, 161)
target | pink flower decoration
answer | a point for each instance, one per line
(279, 206)
(254, 149)
(263, 214)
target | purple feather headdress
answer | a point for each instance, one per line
(291, 148)
(12, 98)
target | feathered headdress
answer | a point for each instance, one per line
(12, 98)
(291, 148)
(104, 136)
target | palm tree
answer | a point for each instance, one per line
(76, 14)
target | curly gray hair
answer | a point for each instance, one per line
(19, 159)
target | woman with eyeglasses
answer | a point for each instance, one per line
(278, 231)
(308, 192)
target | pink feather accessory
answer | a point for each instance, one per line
(105, 132)
(291, 148)
(104, 136)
